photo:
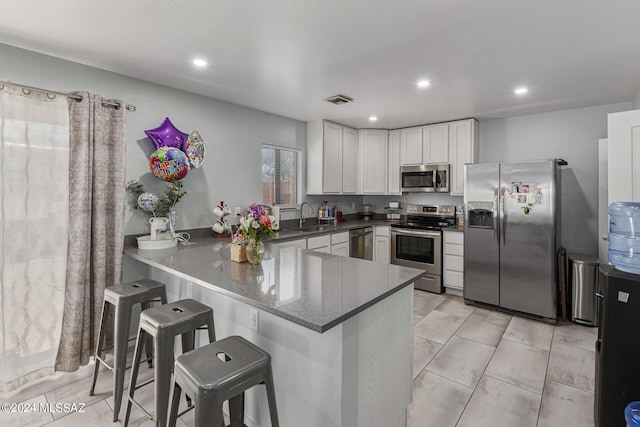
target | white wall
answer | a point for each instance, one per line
(233, 134)
(571, 135)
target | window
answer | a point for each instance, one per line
(279, 175)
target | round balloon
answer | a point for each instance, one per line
(148, 202)
(169, 164)
(194, 149)
(166, 135)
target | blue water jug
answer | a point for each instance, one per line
(632, 414)
(624, 236)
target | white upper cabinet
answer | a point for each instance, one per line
(349, 160)
(373, 155)
(463, 148)
(393, 161)
(435, 144)
(411, 146)
(342, 160)
(332, 158)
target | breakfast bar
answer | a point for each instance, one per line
(339, 329)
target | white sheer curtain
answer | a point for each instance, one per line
(34, 206)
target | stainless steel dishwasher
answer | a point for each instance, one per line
(361, 243)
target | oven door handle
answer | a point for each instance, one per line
(416, 233)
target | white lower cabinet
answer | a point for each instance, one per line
(340, 244)
(299, 243)
(319, 244)
(453, 243)
(382, 245)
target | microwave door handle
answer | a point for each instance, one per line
(496, 233)
(503, 215)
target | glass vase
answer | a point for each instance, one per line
(255, 251)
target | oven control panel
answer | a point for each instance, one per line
(431, 210)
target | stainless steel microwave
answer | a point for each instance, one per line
(425, 178)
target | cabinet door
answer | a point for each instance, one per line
(435, 144)
(374, 161)
(341, 249)
(349, 160)
(461, 151)
(411, 146)
(319, 244)
(300, 243)
(623, 156)
(393, 161)
(332, 158)
(382, 250)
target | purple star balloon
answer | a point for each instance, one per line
(166, 135)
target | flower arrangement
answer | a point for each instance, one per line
(255, 224)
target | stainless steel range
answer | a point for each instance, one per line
(417, 242)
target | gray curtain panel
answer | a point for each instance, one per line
(97, 178)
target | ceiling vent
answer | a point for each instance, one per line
(339, 99)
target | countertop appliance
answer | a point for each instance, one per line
(361, 243)
(424, 178)
(617, 378)
(417, 242)
(510, 236)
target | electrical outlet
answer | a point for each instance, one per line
(253, 319)
(237, 211)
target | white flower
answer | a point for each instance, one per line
(255, 224)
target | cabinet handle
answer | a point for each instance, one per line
(599, 295)
(605, 237)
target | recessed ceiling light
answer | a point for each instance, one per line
(200, 63)
(423, 83)
(521, 91)
(373, 118)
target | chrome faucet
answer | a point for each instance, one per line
(310, 211)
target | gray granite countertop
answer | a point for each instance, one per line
(311, 229)
(314, 290)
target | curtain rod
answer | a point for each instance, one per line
(26, 89)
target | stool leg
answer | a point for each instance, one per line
(236, 410)
(137, 356)
(175, 402)
(211, 329)
(271, 398)
(163, 354)
(188, 344)
(148, 344)
(120, 346)
(208, 412)
(100, 343)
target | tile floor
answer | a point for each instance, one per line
(477, 367)
(472, 367)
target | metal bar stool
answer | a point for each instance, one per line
(163, 324)
(123, 297)
(222, 371)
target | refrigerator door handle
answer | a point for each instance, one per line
(502, 217)
(496, 233)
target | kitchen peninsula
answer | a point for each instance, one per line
(339, 329)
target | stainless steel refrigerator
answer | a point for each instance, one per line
(510, 236)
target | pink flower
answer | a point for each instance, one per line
(264, 220)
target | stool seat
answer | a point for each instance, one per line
(202, 367)
(162, 324)
(136, 291)
(221, 371)
(123, 297)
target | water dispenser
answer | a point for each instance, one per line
(480, 215)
